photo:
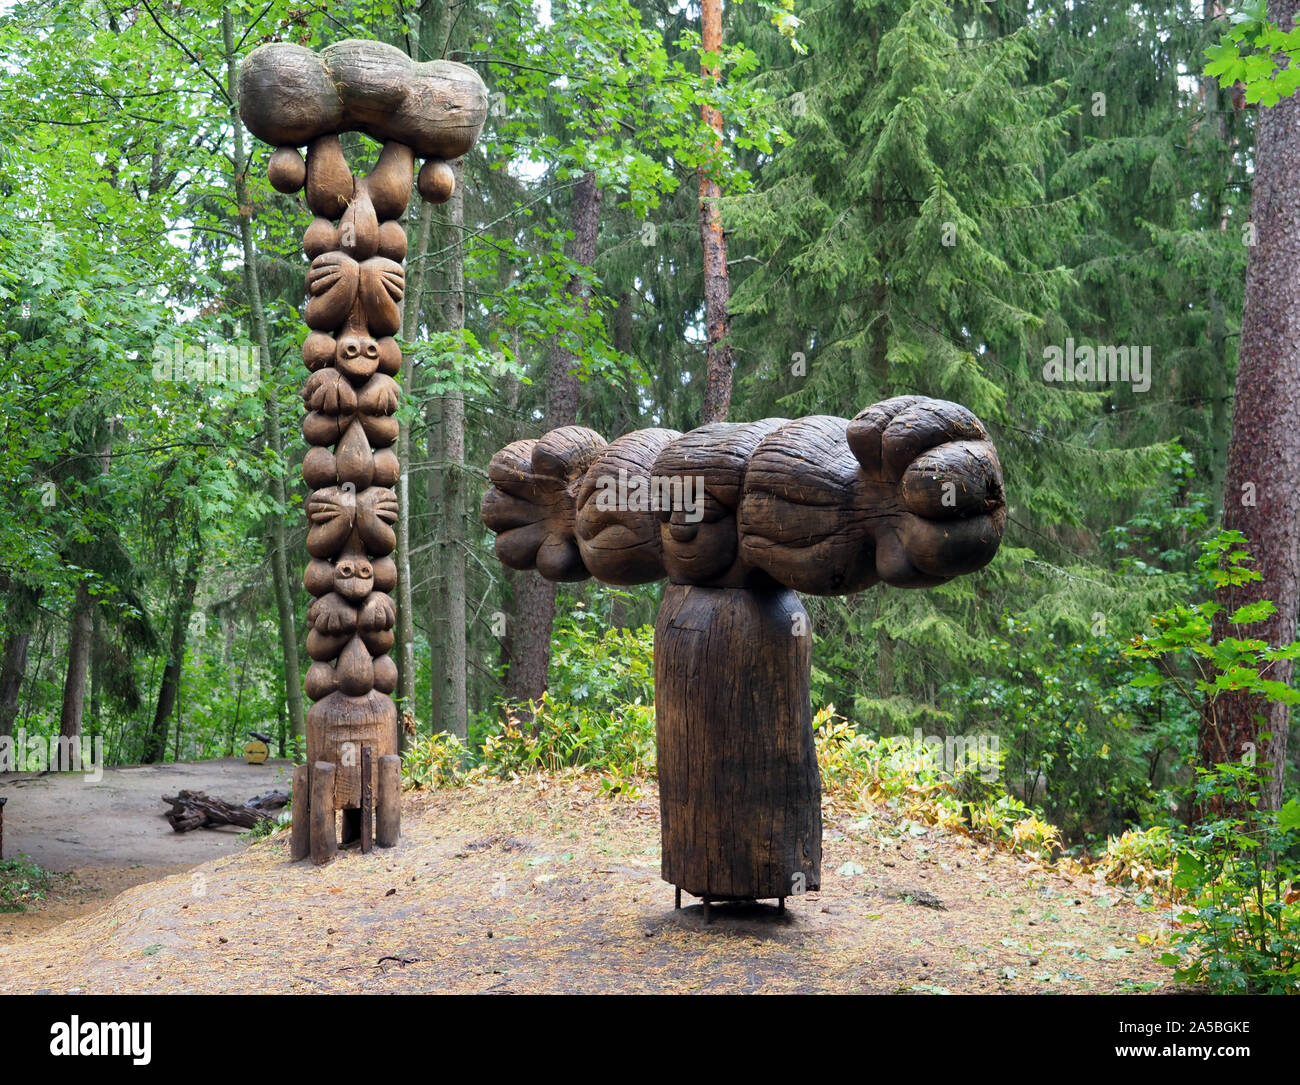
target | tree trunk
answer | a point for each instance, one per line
(1264, 450)
(405, 646)
(96, 677)
(445, 417)
(717, 286)
(253, 285)
(530, 639)
(447, 450)
(74, 682)
(11, 679)
(156, 745)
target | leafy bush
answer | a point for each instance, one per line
(1238, 869)
(618, 738)
(902, 773)
(23, 882)
(1240, 873)
(1138, 857)
(598, 715)
(1200, 669)
(1094, 748)
(436, 761)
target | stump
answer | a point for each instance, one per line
(740, 794)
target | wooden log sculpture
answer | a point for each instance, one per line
(740, 517)
(291, 97)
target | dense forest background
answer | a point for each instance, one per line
(915, 197)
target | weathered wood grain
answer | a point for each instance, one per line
(532, 501)
(740, 794)
(300, 833)
(324, 823)
(388, 801)
(707, 466)
(618, 541)
(909, 492)
(289, 95)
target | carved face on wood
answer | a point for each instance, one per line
(701, 475)
(908, 492)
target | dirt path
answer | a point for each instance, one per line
(64, 822)
(111, 835)
(544, 885)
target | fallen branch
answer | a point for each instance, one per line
(196, 810)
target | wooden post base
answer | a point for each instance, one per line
(324, 825)
(388, 801)
(318, 830)
(300, 834)
(740, 793)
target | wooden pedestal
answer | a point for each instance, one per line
(740, 794)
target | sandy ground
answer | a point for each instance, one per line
(109, 836)
(66, 823)
(545, 885)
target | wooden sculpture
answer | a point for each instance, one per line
(291, 97)
(740, 517)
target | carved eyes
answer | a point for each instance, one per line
(354, 346)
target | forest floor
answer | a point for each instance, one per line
(547, 885)
(106, 836)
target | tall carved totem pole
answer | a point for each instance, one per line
(291, 97)
(740, 517)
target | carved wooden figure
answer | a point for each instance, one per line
(739, 517)
(291, 97)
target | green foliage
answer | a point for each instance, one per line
(1240, 873)
(598, 716)
(1191, 662)
(1139, 857)
(23, 882)
(268, 826)
(1257, 54)
(1236, 866)
(1095, 749)
(908, 777)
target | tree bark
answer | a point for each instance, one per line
(74, 681)
(530, 639)
(717, 285)
(11, 679)
(156, 745)
(447, 448)
(405, 646)
(252, 283)
(20, 616)
(1264, 450)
